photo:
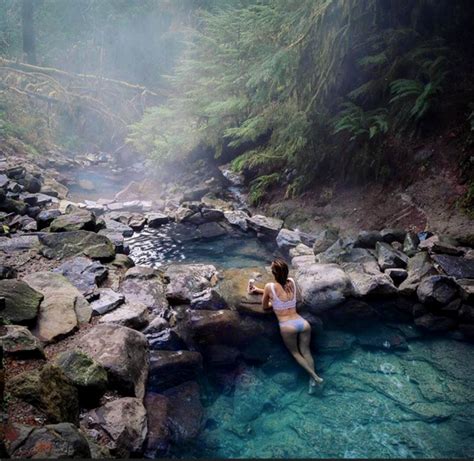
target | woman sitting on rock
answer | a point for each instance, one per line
(295, 330)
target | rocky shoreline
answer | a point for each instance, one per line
(103, 357)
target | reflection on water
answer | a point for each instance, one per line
(175, 243)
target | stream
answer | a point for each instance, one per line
(413, 402)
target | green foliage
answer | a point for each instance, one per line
(259, 187)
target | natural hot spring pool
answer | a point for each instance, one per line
(375, 403)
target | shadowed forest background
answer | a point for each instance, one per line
(293, 93)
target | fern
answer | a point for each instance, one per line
(259, 186)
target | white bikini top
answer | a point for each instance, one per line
(278, 304)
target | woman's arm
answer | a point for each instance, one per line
(266, 300)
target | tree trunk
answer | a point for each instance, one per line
(28, 29)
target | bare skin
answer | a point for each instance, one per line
(298, 343)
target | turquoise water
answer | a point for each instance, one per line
(411, 403)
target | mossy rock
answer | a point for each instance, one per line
(85, 373)
(21, 302)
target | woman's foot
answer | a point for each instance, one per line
(313, 384)
(317, 379)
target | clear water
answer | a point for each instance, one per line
(173, 244)
(417, 403)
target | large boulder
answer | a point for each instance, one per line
(437, 290)
(287, 239)
(185, 412)
(49, 390)
(85, 373)
(237, 218)
(21, 304)
(65, 244)
(367, 280)
(54, 441)
(265, 226)
(324, 240)
(83, 273)
(418, 267)
(77, 220)
(323, 286)
(144, 285)
(389, 258)
(123, 352)
(62, 309)
(128, 315)
(123, 423)
(169, 368)
(185, 280)
(18, 341)
(158, 439)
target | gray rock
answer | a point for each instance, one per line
(22, 302)
(185, 280)
(18, 341)
(208, 299)
(287, 239)
(169, 368)
(117, 239)
(158, 439)
(156, 220)
(393, 235)
(118, 227)
(418, 267)
(389, 258)
(166, 340)
(210, 230)
(410, 244)
(195, 194)
(335, 252)
(137, 222)
(446, 249)
(156, 325)
(237, 218)
(455, 266)
(269, 227)
(62, 309)
(54, 441)
(123, 352)
(83, 273)
(437, 290)
(301, 250)
(65, 244)
(77, 220)
(128, 315)
(397, 275)
(368, 239)
(299, 262)
(123, 422)
(19, 243)
(325, 240)
(367, 280)
(323, 286)
(108, 300)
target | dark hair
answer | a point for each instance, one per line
(280, 271)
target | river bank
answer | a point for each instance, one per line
(109, 356)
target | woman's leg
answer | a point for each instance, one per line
(304, 341)
(290, 338)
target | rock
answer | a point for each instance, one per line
(11, 205)
(335, 252)
(418, 267)
(249, 397)
(202, 216)
(185, 412)
(65, 244)
(108, 300)
(19, 243)
(31, 183)
(368, 239)
(169, 368)
(123, 422)
(455, 266)
(62, 309)
(49, 390)
(397, 275)
(446, 249)
(7, 272)
(382, 338)
(325, 240)
(137, 222)
(353, 312)
(83, 273)
(185, 280)
(54, 441)
(427, 243)
(156, 220)
(237, 218)
(299, 262)
(367, 280)
(77, 220)
(16, 172)
(117, 240)
(269, 227)
(123, 352)
(129, 315)
(393, 235)
(301, 250)
(158, 439)
(208, 299)
(144, 285)
(389, 258)
(18, 341)
(210, 230)
(118, 227)
(437, 290)
(435, 324)
(287, 239)
(219, 355)
(3, 181)
(22, 302)
(122, 262)
(156, 325)
(467, 331)
(323, 286)
(195, 194)
(166, 340)
(452, 309)
(330, 342)
(86, 374)
(467, 290)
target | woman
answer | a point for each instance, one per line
(295, 330)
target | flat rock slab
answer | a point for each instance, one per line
(66, 244)
(123, 352)
(265, 225)
(108, 300)
(456, 266)
(22, 302)
(62, 309)
(169, 368)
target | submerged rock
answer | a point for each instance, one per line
(22, 302)
(323, 286)
(123, 352)
(123, 422)
(434, 323)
